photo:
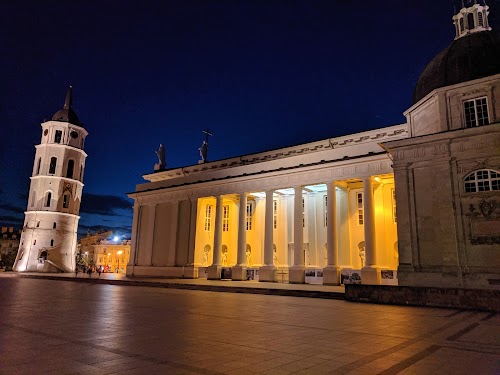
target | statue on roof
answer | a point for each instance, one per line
(204, 148)
(161, 165)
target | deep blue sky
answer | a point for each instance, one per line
(260, 74)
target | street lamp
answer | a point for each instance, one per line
(119, 253)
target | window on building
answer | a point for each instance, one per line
(461, 25)
(476, 112)
(359, 202)
(53, 164)
(393, 195)
(39, 163)
(480, 19)
(58, 136)
(38, 224)
(470, 21)
(69, 170)
(54, 225)
(48, 199)
(275, 214)
(249, 216)
(81, 172)
(325, 210)
(65, 200)
(225, 218)
(208, 217)
(51, 242)
(33, 198)
(21, 256)
(482, 180)
(34, 242)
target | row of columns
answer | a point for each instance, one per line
(331, 275)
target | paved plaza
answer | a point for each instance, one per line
(63, 327)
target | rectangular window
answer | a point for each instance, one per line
(393, 195)
(208, 217)
(359, 202)
(225, 218)
(325, 210)
(275, 214)
(476, 112)
(58, 136)
(249, 215)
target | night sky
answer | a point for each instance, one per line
(260, 74)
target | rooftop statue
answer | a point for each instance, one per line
(161, 165)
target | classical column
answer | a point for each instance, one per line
(266, 273)
(214, 270)
(239, 271)
(370, 273)
(297, 271)
(331, 273)
(134, 242)
(190, 271)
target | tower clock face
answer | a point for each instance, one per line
(74, 134)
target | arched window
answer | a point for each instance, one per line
(470, 21)
(482, 180)
(69, 170)
(81, 172)
(480, 19)
(54, 225)
(38, 224)
(66, 200)
(51, 242)
(461, 25)
(38, 166)
(58, 136)
(48, 199)
(53, 164)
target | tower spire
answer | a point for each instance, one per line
(69, 98)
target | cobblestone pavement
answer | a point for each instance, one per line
(62, 327)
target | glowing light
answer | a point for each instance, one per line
(120, 252)
(109, 254)
(116, 238)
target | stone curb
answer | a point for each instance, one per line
(208, 288)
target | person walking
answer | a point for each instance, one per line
(99, 270)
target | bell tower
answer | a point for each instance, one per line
(471, 18)
(48, 239)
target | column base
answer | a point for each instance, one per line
(239, 273)
(331, 275)
(130, 271)
(213, 272)
(190, 272)
(370, 275)
(297, 275)
(266, 273)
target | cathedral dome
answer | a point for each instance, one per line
(470, 57)
(67, 114)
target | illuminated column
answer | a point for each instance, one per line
(297, 271)
(239, 271)
(190, 271)
(370, 273)
(215, 269)
(266, 273)
(134, 239)
(331, 273)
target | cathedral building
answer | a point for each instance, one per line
(409, 204)
(48, 238)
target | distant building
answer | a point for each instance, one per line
(416, 201)
(101, 249)
(48, 240)
(9, 241)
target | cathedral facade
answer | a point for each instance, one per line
(413, 204)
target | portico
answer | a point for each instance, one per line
(302, 214)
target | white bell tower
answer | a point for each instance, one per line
(48, 239)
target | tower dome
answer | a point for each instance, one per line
(67, 114)
(474, 54)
